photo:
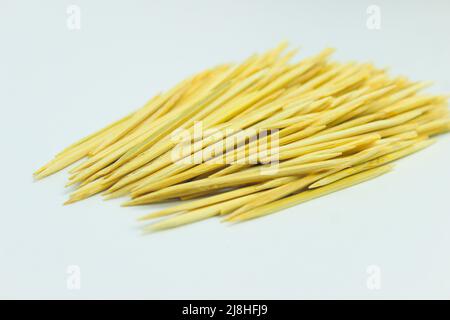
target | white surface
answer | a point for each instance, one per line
(58, 85)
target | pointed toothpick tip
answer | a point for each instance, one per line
(231, 218)
(129, 203)
(70, 201)
(150, 216)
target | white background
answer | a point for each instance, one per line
(57, 85)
